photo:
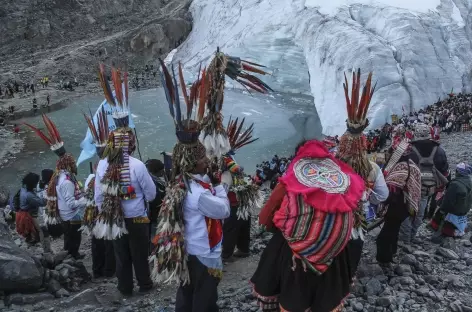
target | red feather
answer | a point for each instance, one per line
(52, 129)
(40, 134)
(125, 82)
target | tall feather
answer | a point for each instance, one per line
(116, 78)
(168, 80)
(202, 98)
(52, 129)
(178, 113)
(167, 93)
(40, 134)
(184, 91)
(346, 94)
(92, 128)
(253, 69)
(358, 104)
(236, 139)
(105, 85)
(125, 82)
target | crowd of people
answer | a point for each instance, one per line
(190, 215)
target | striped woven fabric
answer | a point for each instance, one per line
(122, 140)
(465, 127)
(314, 236)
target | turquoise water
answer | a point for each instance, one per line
(281, 121)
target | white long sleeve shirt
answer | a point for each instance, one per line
(380, 191)
(140, 180)
(198, 204)
(67, 204)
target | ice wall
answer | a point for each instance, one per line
(418, 49)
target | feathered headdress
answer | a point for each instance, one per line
(65, 162)
(214, 136)
(357, 109)
(54, 139)
(116, 183)
(169, 258)
(236, 138)
(353, 143)
(247, 196)
(99, 130)
(119, 100)
(352, 146)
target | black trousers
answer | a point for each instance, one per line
(387, 240)
(433, 204)
(103, 258)
(201, 294)
(131, 250)
(236, 233)
(72, 237)
(354, 247)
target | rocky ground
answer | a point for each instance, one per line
(10, 145)
(67, 39)
(427, 276)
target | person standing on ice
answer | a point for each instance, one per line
(122, 188)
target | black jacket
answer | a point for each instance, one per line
(458, 197)
(155, 205)
(425, 148)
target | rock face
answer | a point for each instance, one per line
(66, 39)
(418, 51)
(18, 270)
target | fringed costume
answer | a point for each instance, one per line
(103, 255)
(353, 151)
(244, 196)
(189, 232)
(305, 266)
(122, 187)
(65, 200)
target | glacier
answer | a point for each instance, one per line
(418, 50)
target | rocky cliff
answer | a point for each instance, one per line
(67, 38)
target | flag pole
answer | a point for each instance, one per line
(137, 143)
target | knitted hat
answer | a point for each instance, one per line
(421, 132)
(464, 169)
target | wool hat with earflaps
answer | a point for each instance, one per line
(65, 162)
(116, 183)
(99, 130)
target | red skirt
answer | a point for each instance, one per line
(25, 225)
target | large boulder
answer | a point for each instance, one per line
(18, 270)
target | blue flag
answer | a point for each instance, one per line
(88, 148)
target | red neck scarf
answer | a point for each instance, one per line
(214, 227)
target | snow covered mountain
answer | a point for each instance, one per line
(418, 49)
